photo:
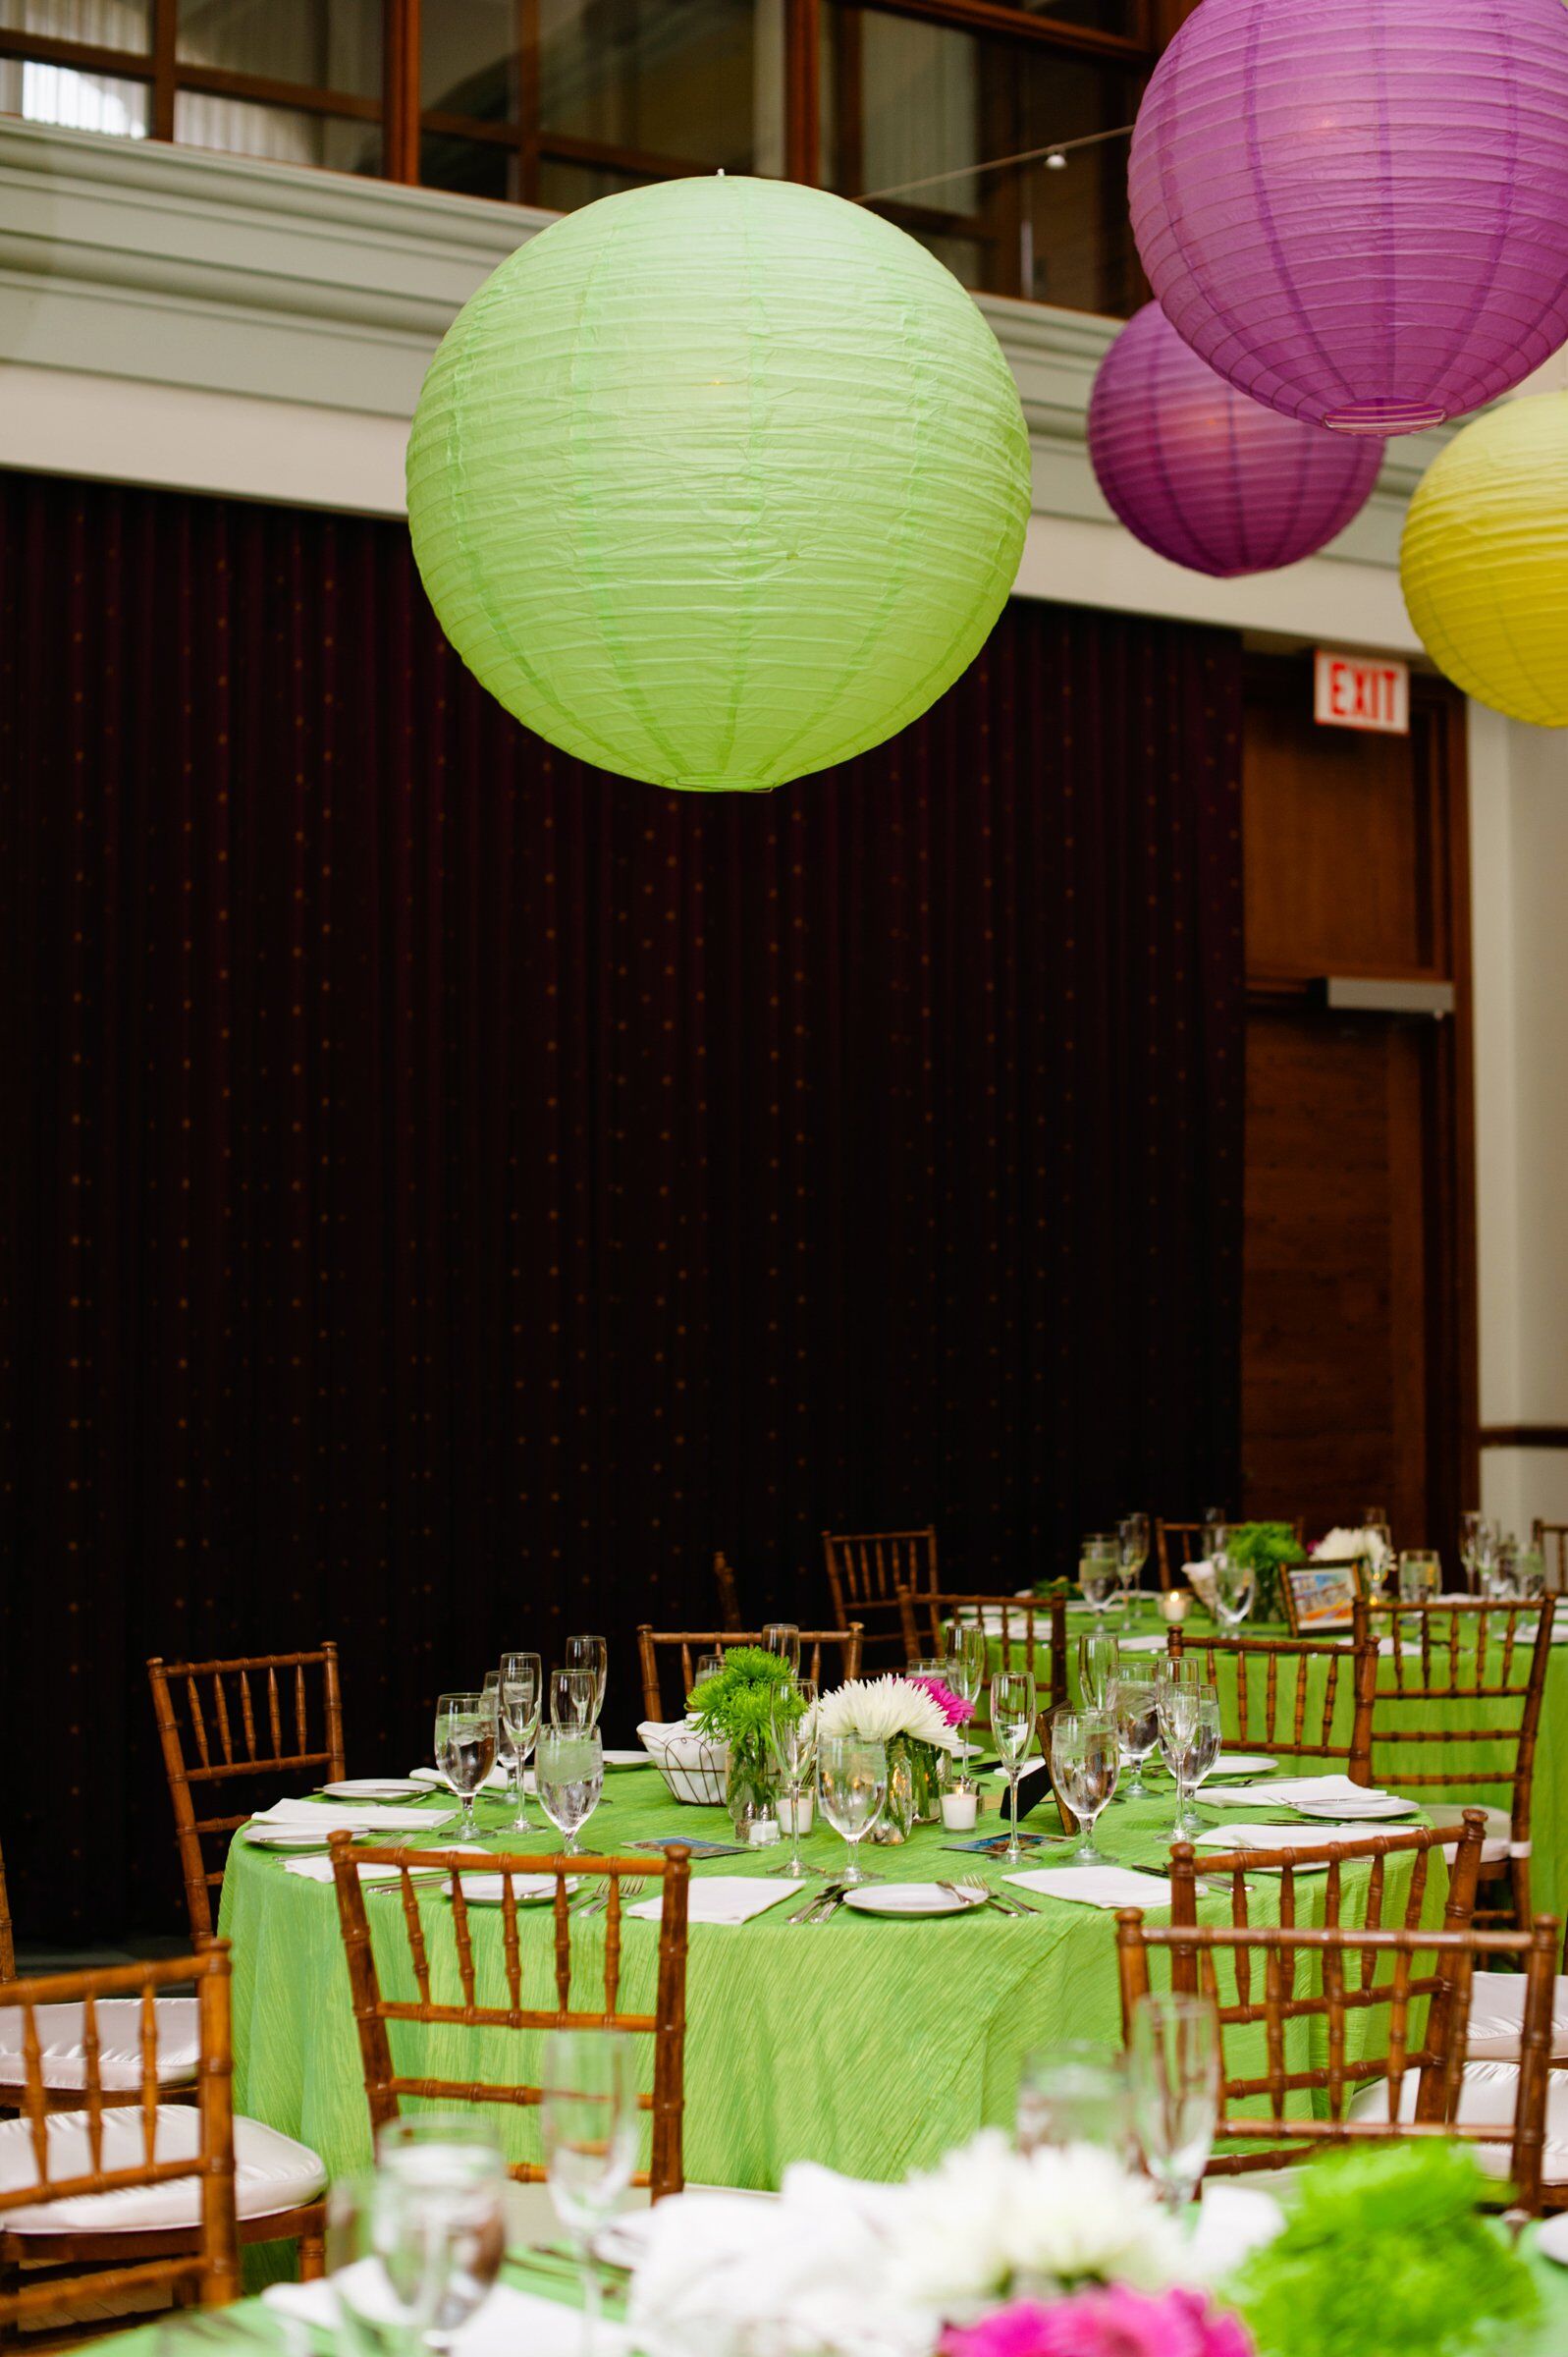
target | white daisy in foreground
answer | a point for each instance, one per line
(880, 1708)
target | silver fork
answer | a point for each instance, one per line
(631, 1888)
(972, 1887)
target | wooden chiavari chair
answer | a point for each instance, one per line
(1468, 1650)
(1039, 1630)
(526, 2004)
(723, 1579)
(693, 1643)
(1226, 1872)
(1551, 1541)
(865, 1572)
(249, 1719)
(1287, 1717)
(1409, 2088)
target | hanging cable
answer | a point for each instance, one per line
(1055, 158)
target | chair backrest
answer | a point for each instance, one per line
(1362, 2009)
(692, 1643)
(1308, 1698)
(223, 1722)
(531, 1955)
(1550, 1539)
(1038, 1629)
(8, 1954)
(1232, 1867)
(1492, 1653)
(866, 1569)
(115, 2142)
(723, 1579)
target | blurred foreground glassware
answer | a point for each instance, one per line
(572, 1697)
(1473, 1529)
(1085, 1763)
(465, 1747)
(588, 2130)
(569, 1778)
(1530, 1574)
(1420, 1575)
(521, 1695)
(1074, 2093)
(593, 1655)
(1133, 1700)
(852, 1791)
(1013, 1730)
(1099, 1570)
(414, 2249)
(793, 1738)
(1173, 2080)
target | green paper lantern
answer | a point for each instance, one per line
(718, 482)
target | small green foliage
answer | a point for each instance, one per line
(1268, 1547)
(737, 1704)
(1385, 2253)
(1049, 1590)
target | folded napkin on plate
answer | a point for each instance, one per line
(1096, 1886)
(326, 1817)
(724, 1898)
(1285, 1836)
(508, 2321)
(495, 1782)
(319, 1870)
(1283, 1793)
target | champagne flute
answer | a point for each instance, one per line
(1380, 1559)
(1189, 1736)
(852, 1788)
(572, 1697)
(522, 1693)
(588, 2131)
(570, 1777)
(1098, 1570)
(465, 1749)
(1132, 1551)
(1133, 1700)
(1174, 1709)
(793, 1738)
(1174, 2075)
(1013, 1730)
(1099, 1661)
(593, 1655)
(782, 1637)
(709, 1665)
(1235, 1588)
(1420, 1575)
(1085, 1763)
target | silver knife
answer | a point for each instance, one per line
(804, 1914)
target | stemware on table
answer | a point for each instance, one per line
(709, 1665)
(569, 1777)
(572, 1697)
(414, 2249)
(593, 1655)
(964, 1665)
(1099, 1662)
(1132, 1551)
(1012, 1729)
(852, 1793)
(782, 1637)
(465, 1747)
(1073, 2092)
(1216, 1531)
(519, 1699)
(793, 1740)
(1235, 1589)
(1474, 1529)
(1375, 1521)
(1189, 1743)
(588, 2118)
(1173, 2079)
(1133, 1701)
(1420, 1575)
(1085, 1763)
(1099, 1569)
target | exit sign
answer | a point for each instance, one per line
(1353, 693)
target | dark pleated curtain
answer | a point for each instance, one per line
(448, 1192)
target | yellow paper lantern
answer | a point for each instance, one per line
(1485, 561)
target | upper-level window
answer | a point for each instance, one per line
(913, 106)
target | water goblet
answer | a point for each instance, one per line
(441, 2184)
(1013, 1730)
(572, 1697)
(465, 1749)
(782, 1637)
(593, 1655)
(1085, 1763)
(1173, 2078)
(852, 1791)
(1420, 1575)
(1099, 1661)
(1132, 1551)
(1133, 1700)
(588, 2118)
(1235, 1589)
(570, 1775)
(793, 1740)
(709, 1665)
(1098, 1570)
(522, 1697)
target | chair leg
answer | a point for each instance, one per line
(1519, 1878)
(313, 2258)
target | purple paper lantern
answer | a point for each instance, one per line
(1207, 478)
(1357, 210)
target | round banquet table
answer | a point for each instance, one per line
(871, 2045)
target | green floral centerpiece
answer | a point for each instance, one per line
(736, 1707)
(1267, 1547)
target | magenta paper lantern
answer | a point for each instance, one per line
(1357, 210)
(1207, 478)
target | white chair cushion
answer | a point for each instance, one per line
(1497, 2017)
(1487, 2098)
(1497, 1843)
(60, 2029)
(271, 2173)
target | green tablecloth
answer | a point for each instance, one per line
(873, 2045)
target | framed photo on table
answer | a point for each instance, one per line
(1322, 1597)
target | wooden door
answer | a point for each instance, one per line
(1358, 1316)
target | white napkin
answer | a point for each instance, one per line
(508, 2321)
(319, 1870)
(1144, 1645)
(1283, 1793)
(326, 1817)
(1096, 1886)
(724, 1898)
(1282, 1836)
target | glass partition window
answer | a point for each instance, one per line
(555, 102)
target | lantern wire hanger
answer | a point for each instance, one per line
(1055, 158)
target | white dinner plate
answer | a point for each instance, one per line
(909, 1898)
(1553, 2239)
(277, 1837)
(628, 1759)
(1242, 1763)
(374, 1787)
(1356, 1812)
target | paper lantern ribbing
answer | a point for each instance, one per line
(717, 482)
(1485, 561)
(1207, 478)
(1358, 210)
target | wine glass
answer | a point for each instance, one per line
(521, 1694)
(792, 1739)
(570, 1773)
(1216, 1531)
(1235, 1588)
(1099, 1659)
(709, 1665)
(782, 1637)
(1073, 2092)
(1174, 2076)
(588, 2131)
(465, 1747)
(593, 1655)
(1189, 1738)
(852, 1788)
(1380, 1559)
(965, 1665)
(1174, 1709)
(1013, 1730)
(1133, 1701)
(441, 2185)
(1085, 1763)
(1132, 1551)
(572, 1697)
(1099, 1570)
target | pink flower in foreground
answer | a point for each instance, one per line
(1108, 2322)
(952, 1706)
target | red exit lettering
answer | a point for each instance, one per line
(1352, 693)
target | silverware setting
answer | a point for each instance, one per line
(599, 1902)
(975, 1893)
(818, 1898)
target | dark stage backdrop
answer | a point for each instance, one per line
(448, 1192)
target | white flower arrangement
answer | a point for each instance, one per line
(881, 1708)
(1343, 1544)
